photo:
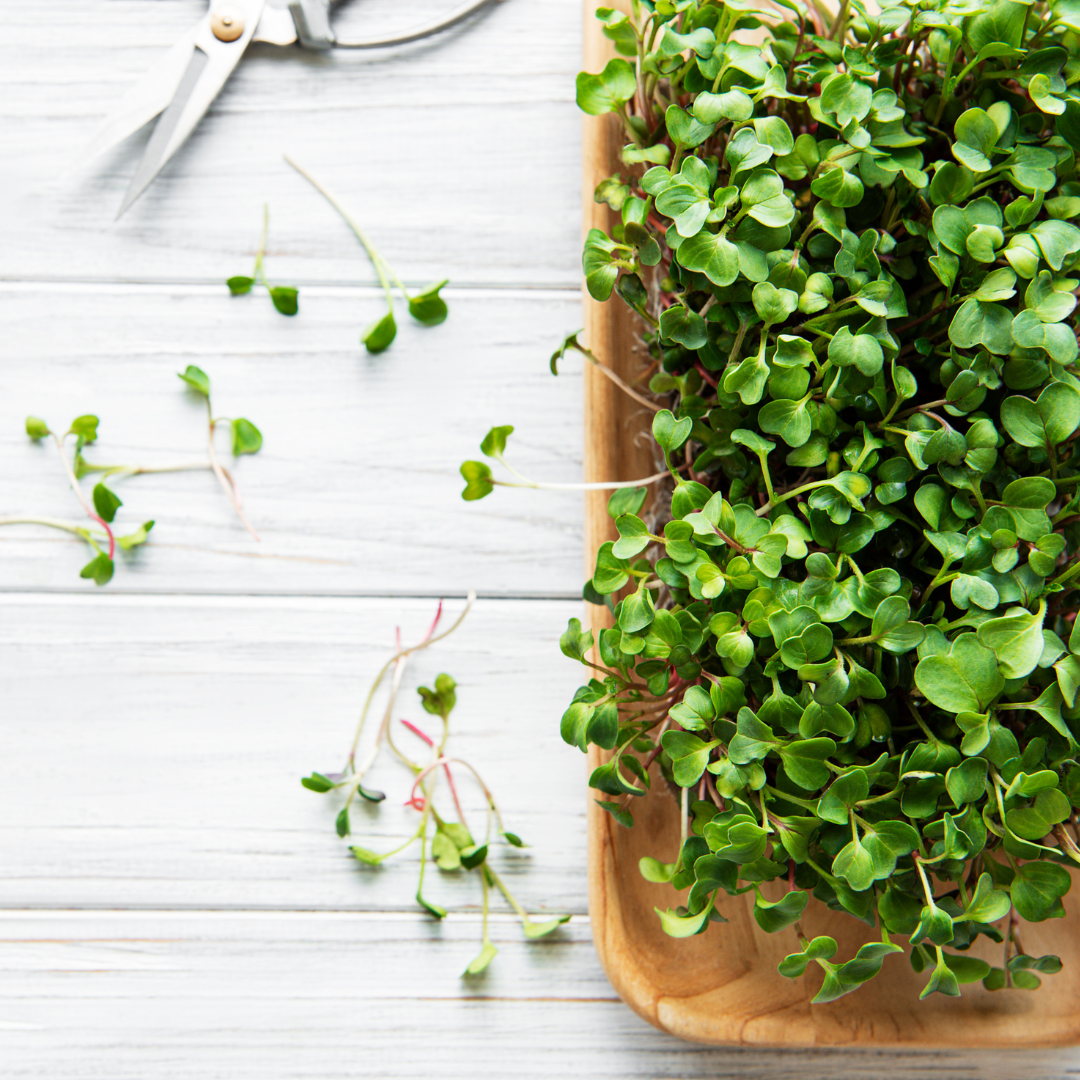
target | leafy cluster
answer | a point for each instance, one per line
(846, 632)
(103, 504)
(451, 843)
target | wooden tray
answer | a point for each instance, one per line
(723, 987)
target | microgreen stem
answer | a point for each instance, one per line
(429, 639)
(90, 512)
(377, 260)
(228, 484)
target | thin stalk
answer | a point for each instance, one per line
(228, 485)
(90, 512)
(602, 485)
(428, 639)
(372, 252)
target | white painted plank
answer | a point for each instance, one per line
(150, 996)
(357, 487)
(461, 155)
(155, 747)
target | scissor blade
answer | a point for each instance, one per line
(210, 63)
(148, 97)
(157, 151)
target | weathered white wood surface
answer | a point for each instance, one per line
(436, 146)
(330, 996)
(157, 743)
(356, 489)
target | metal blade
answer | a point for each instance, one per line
(149, 96)
(210, 63)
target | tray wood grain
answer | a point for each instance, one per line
(723, 987)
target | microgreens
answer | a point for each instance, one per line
(283, 297)
(453, 845)
(846, 633)
(103, 504)
(427, 306)
(480, 481)
(102, 540)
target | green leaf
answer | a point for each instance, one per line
(689, 755)
(965, 679)
(478, 481)
(284, 299)
(684, 129)
(977, 323)
(1045, 422)
(669, 433)
(197, 379)
(976, 137)
(655, 871)
(428, 307)
(246, 437)
(494, 442)
(240, 285)
(85, 427)
(821, 948)
(534, 930)
(36, 429)
(575, 642)
(99, 569)
(380, 334)
(712, 255)
(1034, 822)
(134, 539)
(683, 926)
(838, 187)
(612, 87)
(1037, 890)
(1017, 641)
(317, 782)
(482, 959)
(773, 916)
(683, 325)
(106, 502)
(804, 761)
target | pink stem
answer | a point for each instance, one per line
(446, 767)
(705, 375)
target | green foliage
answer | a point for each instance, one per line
(449, 843)
(862, 327)
(103, 503)
(283, 297)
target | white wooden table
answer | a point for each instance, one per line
(172, 902)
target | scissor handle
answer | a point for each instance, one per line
(312, 20)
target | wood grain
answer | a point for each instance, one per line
(329, 996)
(434, 146)
(356, 489)
(155, 747)
(723, 987)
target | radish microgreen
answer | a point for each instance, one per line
(452, 844)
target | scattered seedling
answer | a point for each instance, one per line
(480, 481)
(453, 845)
(427, 306)
(102, 540)
(103, 504)
(283, 297)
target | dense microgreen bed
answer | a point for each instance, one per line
(845, 623)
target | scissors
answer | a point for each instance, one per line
(187, 80)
